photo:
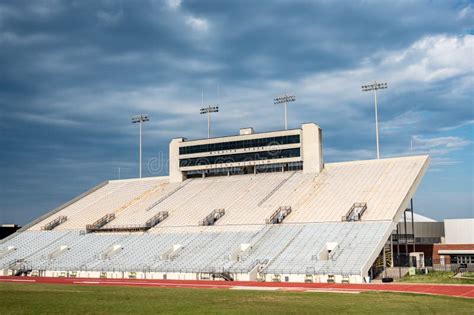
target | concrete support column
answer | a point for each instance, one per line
(176, 175)
(312, 148)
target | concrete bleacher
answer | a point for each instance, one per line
(355, 244)
(292, 248)
(115, 197)
(250, 199)
(286, 249)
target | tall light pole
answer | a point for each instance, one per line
(140, 119)
(374, 87)
(208, 110)
(285, 99)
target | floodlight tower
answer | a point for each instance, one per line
(374, 87)
(285, 99)
(208, 110)
(140, 119)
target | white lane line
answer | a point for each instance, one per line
(16, 280)
(161, 284)
(255, 288)
(332, 291)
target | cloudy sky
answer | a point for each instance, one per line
(72, 73)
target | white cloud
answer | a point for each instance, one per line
(48, 120)
(439, 145)
(466, 13)
(442, 161)
(435, 58)
(333, 154)
(198, 24)
(427, 61)
(438, 148)
(336, 96)
(332, 94)
(173, 4)
(465, 123)
(401, 121)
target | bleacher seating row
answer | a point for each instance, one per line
(251, 199)
(287, 249)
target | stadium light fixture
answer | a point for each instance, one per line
(208, 110)
(374, 87)
(140, 119)
(285, 99)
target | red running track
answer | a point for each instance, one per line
(466, 291)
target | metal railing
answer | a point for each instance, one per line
(212, 217)
(355, 212)
(278, 216)
(153, 221)
(51, 225)
(100, 223)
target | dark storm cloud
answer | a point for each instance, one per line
(73, 72)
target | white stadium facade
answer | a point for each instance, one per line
(249, 207)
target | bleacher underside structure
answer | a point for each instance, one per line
(273, 226)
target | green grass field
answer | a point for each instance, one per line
(468, 275)
(437, 277)
(68, 299)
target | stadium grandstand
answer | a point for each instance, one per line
(249, 207)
